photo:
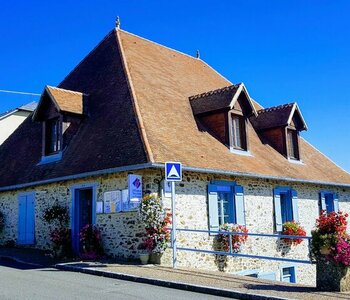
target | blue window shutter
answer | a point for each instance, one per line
(294, 198)
(30, 220)
(277, 207)
(323, 201)
(22, 219)
(213, 207)
(336, 202)
(239, 205)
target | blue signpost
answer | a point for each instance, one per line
(173, 173)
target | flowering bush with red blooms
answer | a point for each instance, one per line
(61, 238)
(293, 228)
(332, 223)
(237, 240)
(156, 222)
(330, 240)
(90, 239)
(342, 252)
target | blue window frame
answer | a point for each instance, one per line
(288, 274)
(225, 204)
(329, 202)
(285, 206)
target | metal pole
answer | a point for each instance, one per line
(173, 231)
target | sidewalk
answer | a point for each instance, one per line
(215, 283)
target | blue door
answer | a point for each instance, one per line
(26, 219)
(82, 214)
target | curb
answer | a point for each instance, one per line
(170, 284)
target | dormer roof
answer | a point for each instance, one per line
(222, 98)
(65, 101)
(278, 116)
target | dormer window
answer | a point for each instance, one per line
(60, 112)
(238, 133)
(53, 141)
(292, 144)
(279, 126)
(224, 113)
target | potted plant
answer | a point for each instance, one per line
(331, 249)
(293, 228)
(143, 253)
(156, 222)
(61, 239)
(222, 242)
(57, 216)
(90, 239)
(237, 239)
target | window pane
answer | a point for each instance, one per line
(286, 208)
(223, 207)
(288, 274)
(237, 132)
(329, 203)
(292, 144)
(52, 136)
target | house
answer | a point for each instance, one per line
(131, 105)
(10, 120)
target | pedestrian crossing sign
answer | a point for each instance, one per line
(173, 171)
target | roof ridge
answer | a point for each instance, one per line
(274, 108)
(212, 92)
(135, 104)
(153, 42)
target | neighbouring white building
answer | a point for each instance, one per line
(10, 120)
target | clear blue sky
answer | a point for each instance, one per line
(282, 50)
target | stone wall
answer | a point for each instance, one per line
(122, 232)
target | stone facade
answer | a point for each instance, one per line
(122, 232)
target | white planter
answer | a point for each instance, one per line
(144, 257)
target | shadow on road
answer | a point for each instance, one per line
(10, 263)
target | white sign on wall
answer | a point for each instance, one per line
(125, 200)
(118, 201)
(107, 202)
(135, 187)
(167, 189)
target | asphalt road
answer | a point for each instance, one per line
(18, 281)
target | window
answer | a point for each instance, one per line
(288, 274)
(285, 207)
(226, 204)
(223, 207)
(238, 135)
(292, 144)
(53, 136)
(329, 202)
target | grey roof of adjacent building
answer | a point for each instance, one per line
(26, 107)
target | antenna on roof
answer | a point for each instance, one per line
(117, 22)
(198, 55)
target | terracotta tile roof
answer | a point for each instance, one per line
(139, 111)
(106, 138)
(213, 100)
(164, 79)
(66, 100)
